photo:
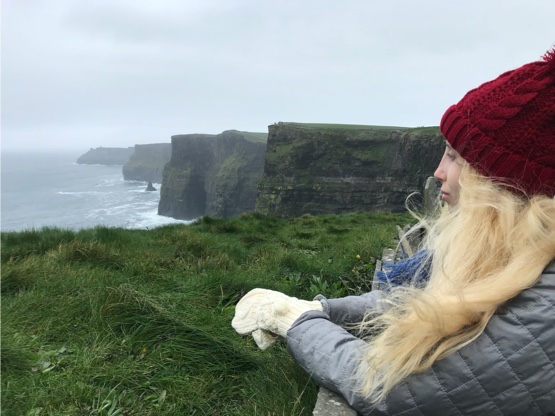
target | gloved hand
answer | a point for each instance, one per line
(264, 339)
(271, 312)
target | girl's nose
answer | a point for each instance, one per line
(439, 174)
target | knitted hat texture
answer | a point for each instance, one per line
(505, 128)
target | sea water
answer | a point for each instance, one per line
(51, 189)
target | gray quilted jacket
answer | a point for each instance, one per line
(508, 370)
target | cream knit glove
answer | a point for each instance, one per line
(264, 339)
(271, 312)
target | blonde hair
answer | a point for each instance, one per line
(485, 251)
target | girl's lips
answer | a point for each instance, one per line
(444, 195)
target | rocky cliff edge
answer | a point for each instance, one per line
(106, 156)
(213, 175)
(147, 162)
(334, 169)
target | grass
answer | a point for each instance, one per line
(108, 321)
(255, 137)
(421, 130)
(344, 126)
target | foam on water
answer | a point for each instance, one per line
(53, 191)
(81, 193)
(151, 219)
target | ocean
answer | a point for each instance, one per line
(51, 189)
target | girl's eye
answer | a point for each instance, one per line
(451, 156)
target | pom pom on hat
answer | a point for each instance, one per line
(505, 128)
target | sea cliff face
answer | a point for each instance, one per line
(334, 169)
(106, 156)
(213, 175)
(147, 162)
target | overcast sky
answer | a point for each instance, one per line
(115, 73)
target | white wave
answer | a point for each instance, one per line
(141, 190)
(80, 193)
(151, 219)
(110, 181)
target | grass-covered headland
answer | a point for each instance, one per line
(108, 321)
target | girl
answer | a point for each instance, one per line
(479, 336)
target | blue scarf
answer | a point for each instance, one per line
(411, 271)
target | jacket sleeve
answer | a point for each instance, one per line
(329, 354)
(508, 369)
(351, 309)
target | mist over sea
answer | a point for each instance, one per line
(51, 189)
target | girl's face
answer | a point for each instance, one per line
(448, 172)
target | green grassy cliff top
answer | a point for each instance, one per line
(108, 321)
(359, 131)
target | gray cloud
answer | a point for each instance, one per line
(104, 73)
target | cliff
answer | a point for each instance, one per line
(147, 162)
(213, 175)
(106, 156)
(325, 168)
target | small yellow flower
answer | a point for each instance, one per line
(358, 256)
(354, 271)
(143, 350)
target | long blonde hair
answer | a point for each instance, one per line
(485, 251)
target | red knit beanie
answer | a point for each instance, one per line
(505, 128)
